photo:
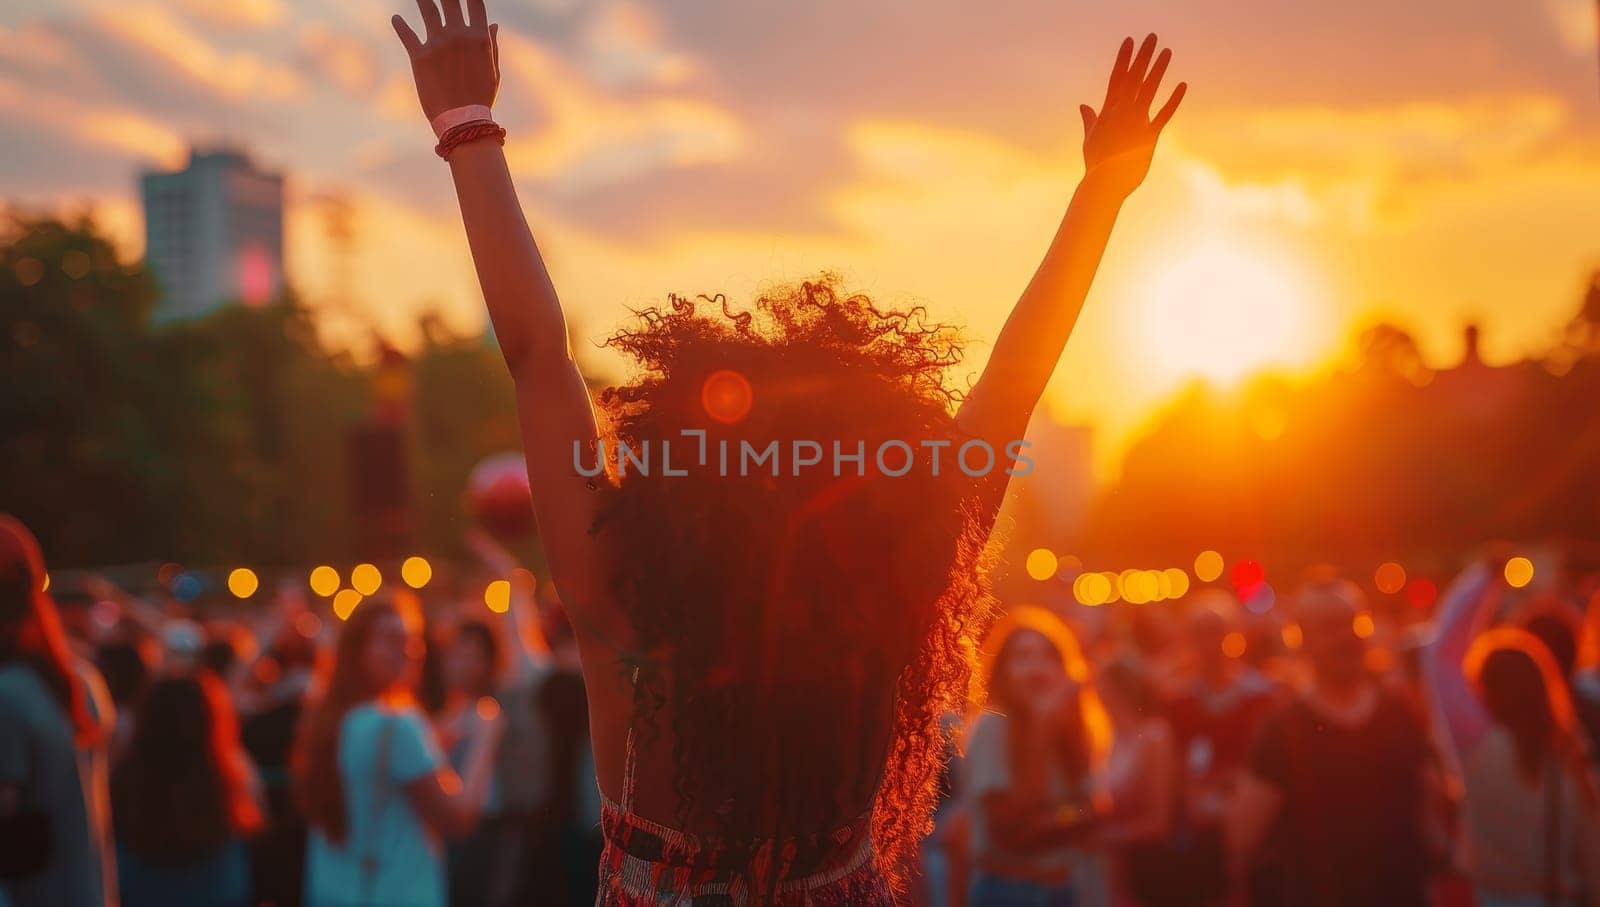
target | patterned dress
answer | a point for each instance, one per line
(646, 864)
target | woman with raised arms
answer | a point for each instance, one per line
(767, 657)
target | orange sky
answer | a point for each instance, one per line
(1426, 162)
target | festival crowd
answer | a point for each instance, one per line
(419, 748)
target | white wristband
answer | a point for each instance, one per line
(456, 116)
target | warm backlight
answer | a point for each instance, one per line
(1225, 309)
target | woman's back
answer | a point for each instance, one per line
(1518, 828)
(387, 855)
(38, 756)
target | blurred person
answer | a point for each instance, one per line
(1532, 808)
(183, 645)
(1161, 858)
(370, 777)
(1556, 624)
(126, 673)
(1026, 775)
(482, 865)
(1219, 702)
(767, 659)
(55, 721)
(185, 798)
(1332, 808)
(281, 680)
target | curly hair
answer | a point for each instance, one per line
(800, 634)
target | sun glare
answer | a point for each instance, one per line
(1222, 310)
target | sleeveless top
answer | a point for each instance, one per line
(645, 864)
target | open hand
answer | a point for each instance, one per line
(459, 62)
(1120, 139)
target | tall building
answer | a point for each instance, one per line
(213, 233)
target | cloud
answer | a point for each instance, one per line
(1574, 21)
(236, 14)
(623, 47)
(346, 61)
(588, 138)
(238, 75)
(1370, 162)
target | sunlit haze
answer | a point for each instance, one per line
(1335, 164)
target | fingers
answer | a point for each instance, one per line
(1142, 61)
(477, 16)
(407, 36)
(1171, 107)
(1119, 69)
(1089, 117)
(431, 23)
(452, 13)
(1152, 82)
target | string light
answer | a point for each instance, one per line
(324, 581)
(416, 571)
(243, 582)
(497, 596)
(1208, 566)
(366, 579)
(1042, 564)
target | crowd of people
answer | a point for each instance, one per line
(412, 751)
(423, 749)
(1323, 752)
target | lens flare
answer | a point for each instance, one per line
(726, 396)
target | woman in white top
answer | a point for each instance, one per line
(1025, 779)
(370, 776)
(1532, 808)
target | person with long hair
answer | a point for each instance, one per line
(52, 841)
(185, 797)
(1027, 776)
(1532, 811)
(768, 643)
(370, 777)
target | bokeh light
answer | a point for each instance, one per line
(1177, 582)
(1363, 624)
(1390, 578)
(1246, 576)
(324, 581)
(497, 595)
(242, 582)
(1421, 592)
(1519, 572)
(1261, 599)
(1293, 637)
(1114, 587)
(488, 708)
(344, 603)
(1233, 644)
(365, 578)
(1092, 589)
(1042, 564)
(1208, 566)
(416, 571)
(726, 396)
(187, 587)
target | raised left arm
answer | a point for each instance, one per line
(1118, 144)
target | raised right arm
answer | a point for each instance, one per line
(455, 65)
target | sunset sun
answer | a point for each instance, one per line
(1221, 310)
